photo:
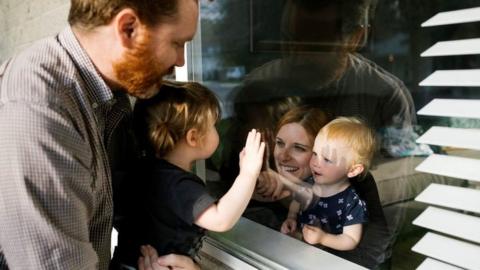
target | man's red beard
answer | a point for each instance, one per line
(138, 72)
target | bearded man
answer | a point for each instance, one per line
(60, 102)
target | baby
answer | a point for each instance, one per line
(342, 152)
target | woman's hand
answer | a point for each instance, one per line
(270, 187)
(151, 261)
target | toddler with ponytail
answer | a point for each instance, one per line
(171, 208)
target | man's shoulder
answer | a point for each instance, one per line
(42, 73)
(370, 72)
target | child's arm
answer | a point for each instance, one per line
(290, 224)
(348, 240)
(223, 215)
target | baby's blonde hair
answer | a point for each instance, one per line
(177, 108)
(356, 135)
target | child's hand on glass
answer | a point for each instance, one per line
(312, 235)
(289, 226)
(251, 157)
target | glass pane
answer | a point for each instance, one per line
(351, 58)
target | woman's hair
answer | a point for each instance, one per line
(311, 119)
(163, 120)
(88, 14)
(356, 135)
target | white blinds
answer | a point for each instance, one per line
(455, 47)
(452, 108)
(454, 17)
(455, 241)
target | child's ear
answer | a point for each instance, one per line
(355, 170)
(192, 137)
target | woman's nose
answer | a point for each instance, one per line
(285, 154)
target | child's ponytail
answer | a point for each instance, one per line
(162, 139)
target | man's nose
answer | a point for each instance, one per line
(180, 61)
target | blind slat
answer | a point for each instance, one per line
(452, 223)
(455, 137)
(454, 47)
(458, 77)
(451, 166)
(466, 199)
(454, 17)
(449, 250)
(432, 264)
(452, 108)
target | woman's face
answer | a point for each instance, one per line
(293, 150)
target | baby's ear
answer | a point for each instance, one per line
(192, 137)
(355, 170)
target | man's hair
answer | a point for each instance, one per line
(356, 135)
(163, 120)
(352, 13)
(89, 14)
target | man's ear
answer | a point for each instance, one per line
(193, 137)
(355, 170)
(127, 27)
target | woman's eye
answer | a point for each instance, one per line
(279, 143)
(300, 149)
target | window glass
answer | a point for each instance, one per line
(357, 58)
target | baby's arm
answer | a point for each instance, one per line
(348, 240)
(223, 215)
(290, 224)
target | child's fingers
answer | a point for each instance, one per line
(153, 253)
(306, 229)
(258, 138)
(146, 258)
(141, 263)
(261, 149)
(250, 137)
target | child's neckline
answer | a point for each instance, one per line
(349, 185)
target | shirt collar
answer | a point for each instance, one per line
(97, 89)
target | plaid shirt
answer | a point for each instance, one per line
(56, 118)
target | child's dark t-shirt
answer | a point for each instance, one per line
(168, 200)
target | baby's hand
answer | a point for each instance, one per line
(312, 235)
(251, 157)
(289, 226)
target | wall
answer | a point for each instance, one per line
(2, 29)
(23, 22)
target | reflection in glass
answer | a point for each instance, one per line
(264, 57)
